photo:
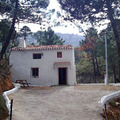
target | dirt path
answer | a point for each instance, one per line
(59, 103)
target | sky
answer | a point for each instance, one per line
(71, 28)
(66, 27)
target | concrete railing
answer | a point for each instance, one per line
(106, 98)
(17, 86)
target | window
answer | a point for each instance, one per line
(59, 54)
(37, 56)
(35, 72)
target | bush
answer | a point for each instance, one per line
(3, 108)
(5, 76)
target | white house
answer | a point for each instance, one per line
(43, 65)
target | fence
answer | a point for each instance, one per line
(90, 79)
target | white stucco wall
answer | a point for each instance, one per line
(22, 62)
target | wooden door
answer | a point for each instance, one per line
(62, 76)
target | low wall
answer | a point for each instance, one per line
(17, 86)
(106, 98)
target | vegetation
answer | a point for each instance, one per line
(113, 111)
(88, 10)
(3, 109)
(24, 32)
(15, 11)
(4, 29)
(48, 38)
(19, 11)
(5, 84)
(90, 57)
(94, 12)
(5, 77)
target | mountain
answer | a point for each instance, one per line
(71, 39)
(30, 40)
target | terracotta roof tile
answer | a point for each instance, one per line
(43, 47)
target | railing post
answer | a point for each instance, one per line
(11, 106)
(106, 112)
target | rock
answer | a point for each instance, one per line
(117, 104)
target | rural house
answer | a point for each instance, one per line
(43, 65)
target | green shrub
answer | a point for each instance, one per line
(112, 103)
(4, 68)
(3, 108)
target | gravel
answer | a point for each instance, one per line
(59, 103)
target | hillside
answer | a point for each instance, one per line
(70, 39)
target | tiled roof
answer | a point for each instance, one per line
(43, 47)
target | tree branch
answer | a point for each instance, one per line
(4, 48)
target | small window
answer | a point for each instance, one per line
(37, 56)
(59, 54)
(35, 72)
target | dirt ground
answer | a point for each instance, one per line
(59, 103)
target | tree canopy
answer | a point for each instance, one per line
(48, 38)
(20, 10)
(24, 32)
(26, 9)
(90, 57)
(94, 11)
(4, 29)
(88, 10)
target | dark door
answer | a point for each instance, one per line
(62, 76)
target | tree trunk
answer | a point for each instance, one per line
(5, 46)
(113, 68)
(119, 70)
(93, 62)
(115, 30)
(97, 66)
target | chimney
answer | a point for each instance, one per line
(22, 43)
